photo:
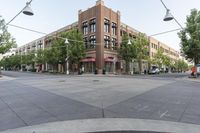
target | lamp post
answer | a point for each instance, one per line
(67, 58)
(169, 16)
(130, 65)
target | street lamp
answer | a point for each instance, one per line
(130, 65)
(129, 42)
(26, 10)
(169, 16)
(67, 62)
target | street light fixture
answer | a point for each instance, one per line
(129, 42)
(67, 62)
(26, 10)
(169, 16)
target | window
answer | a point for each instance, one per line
(106, 25)
(85, 28)
(93, 25)
(92, 41)
(86, 42)
(114, 28)
(113, 43)
(106, 42)
(121, 33)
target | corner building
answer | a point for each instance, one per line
(102, 30)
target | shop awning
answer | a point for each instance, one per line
(108, 59)
(88, 60)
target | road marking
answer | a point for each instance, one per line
(143, 108)
(164, 114)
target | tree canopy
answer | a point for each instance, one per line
(141, 44)
(127, 52)
(6, 40)
(190, 37)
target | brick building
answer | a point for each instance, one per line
(103, 30)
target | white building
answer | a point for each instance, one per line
(9, 53)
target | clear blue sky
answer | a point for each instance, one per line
(143, 15)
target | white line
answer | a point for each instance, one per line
(163, 114)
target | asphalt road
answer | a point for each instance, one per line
(31, 99)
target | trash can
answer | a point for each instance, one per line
(104, 71)
(95, 71)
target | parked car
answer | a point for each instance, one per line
(154, 71)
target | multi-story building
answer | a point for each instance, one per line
(103, 30)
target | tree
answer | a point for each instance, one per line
(158, 58)
(141, 48)
(6, 41)
(30, 59)
(166, 61)
(40, 56)
(76, 48)
(127, 52)
(190, 40)
(52, 57)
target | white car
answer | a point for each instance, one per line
(154, 71)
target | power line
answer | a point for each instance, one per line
(166, 32)
(35, 31)
(23, 28)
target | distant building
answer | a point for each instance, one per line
(9, 53)
(103, 31)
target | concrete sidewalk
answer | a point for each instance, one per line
(108, 124)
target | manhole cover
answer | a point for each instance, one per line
(95, 80)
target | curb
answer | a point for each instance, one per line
(109, 124)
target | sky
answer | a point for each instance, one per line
(143, 15)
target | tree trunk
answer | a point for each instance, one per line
(140, 66)
(127, 67)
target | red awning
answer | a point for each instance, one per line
(88, 60)
(108, 59)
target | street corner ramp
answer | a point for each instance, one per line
(109, 125)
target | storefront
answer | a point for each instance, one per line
(88, 65)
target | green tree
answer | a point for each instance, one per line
(166, 61)
(15, 61)
(140, 45)
(40, 56)
(158, 58)
(75, 48)
(30, 59)
(190, 40)
(6, 41)
(51, 56)
(127, 52)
